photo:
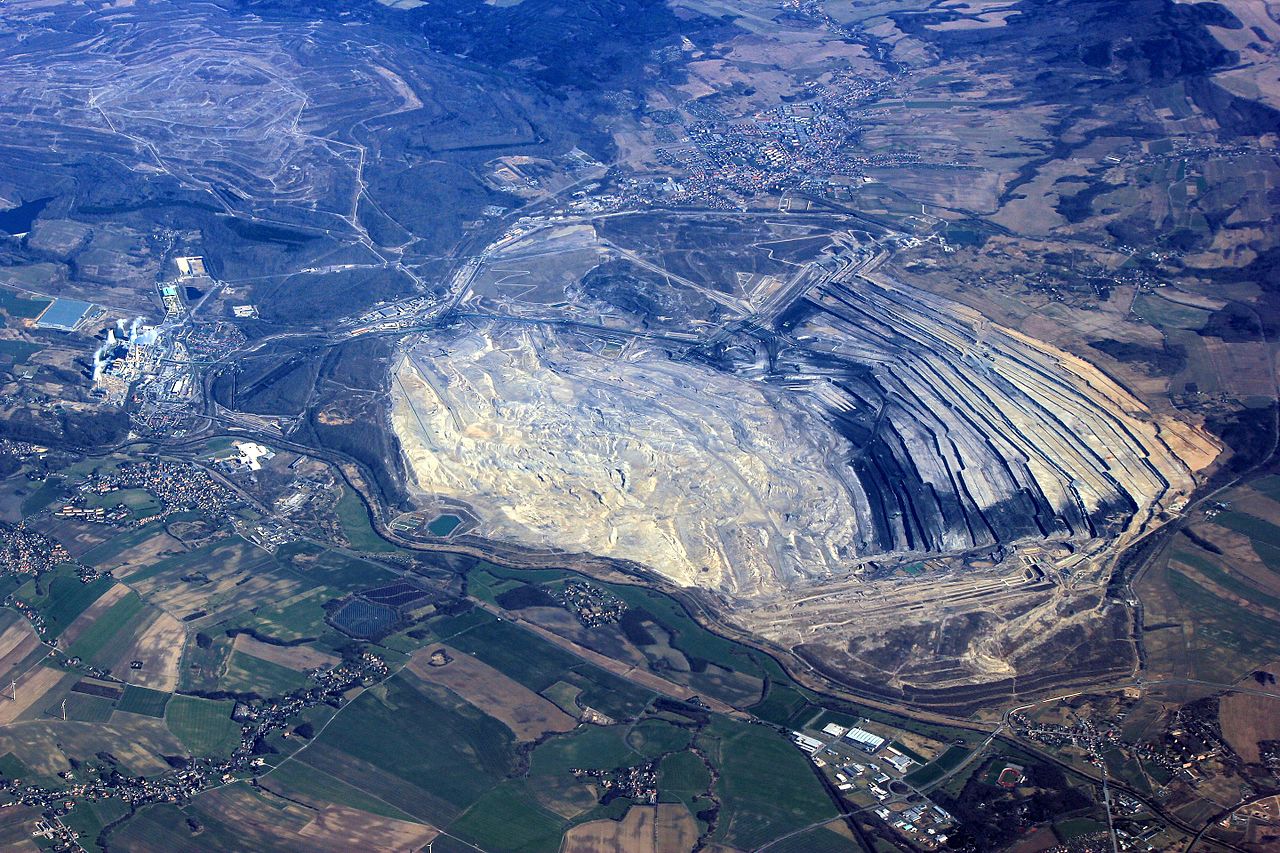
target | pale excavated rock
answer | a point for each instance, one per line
(708, 479)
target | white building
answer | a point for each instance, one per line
(865, 739)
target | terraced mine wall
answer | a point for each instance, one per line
(971, 435)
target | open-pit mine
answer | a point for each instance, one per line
(784, 472)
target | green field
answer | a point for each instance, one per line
(1128, 769)
(447, 627)
(655, 738)
(1269, 554)
(565, 697)
(817, 840)
(781, 705)
(1162, 313)
(140, 502)
(17, 352)
(1076, 827)
(205, 726)
(143, 700)
(588, 748)
(427, 737)
(248, 674)
(83, 708)
(64, 598)
(202, 667)
(1257, 529)
(767, 787)
(683, 777)
(508, 818)
(606, 692)
(44, 495)
(488, 587)
(1224, 623)
(88, 819)
(12, 768)
(303, 782)
(303, 617)
(941, 765)
(232, 553)
(1269, 486)
(22, 307)
(120, 615)
(1213, 572)
(101, 555)
(342, 573)
(355, 524)
(162, 826)
(537, 664)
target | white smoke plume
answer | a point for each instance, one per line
(134, 334)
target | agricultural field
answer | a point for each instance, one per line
(1248, 721)
(19, 645)
(509, 818)
(354, 518)
(141, 700)
(655, 633)
(60, 597)
(766, 787)
(504, 722)
(298, 617)
(298, 781)
(525, 713)
(238, 815)
(203, 725)
(139, 546)
(1212, 599)
(339, 571)
(436, 747)
(90, 819)
(18, 307)
(101, 641)
(470, 751)
(248, 673)
(298, 657)
(643, 829)
(213, 583)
